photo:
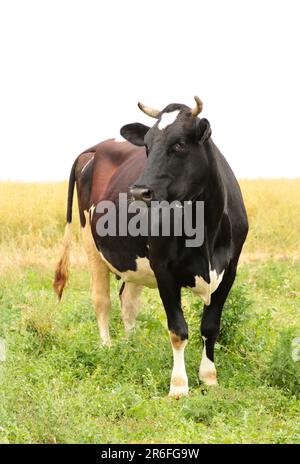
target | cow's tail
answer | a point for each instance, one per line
(62, 269)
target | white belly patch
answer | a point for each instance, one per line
(205, 290)
(142, 276)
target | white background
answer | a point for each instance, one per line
(72, 72)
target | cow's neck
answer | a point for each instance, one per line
(217, 224)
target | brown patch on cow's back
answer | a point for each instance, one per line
(116, 166)
(105, 170)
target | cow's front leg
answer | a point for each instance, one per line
(179, 381)
(170, 293)
(210, 327)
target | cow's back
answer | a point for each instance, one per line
(105, 170)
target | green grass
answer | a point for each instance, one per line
(58, 385)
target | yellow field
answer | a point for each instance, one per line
(273, 208)
(32, 218)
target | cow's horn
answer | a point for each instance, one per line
(198, 107)
(149, 111)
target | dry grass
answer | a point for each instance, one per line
(274, 215)
(32, 218)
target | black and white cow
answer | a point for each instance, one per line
(175, 159)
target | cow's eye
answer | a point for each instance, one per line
(179, 146)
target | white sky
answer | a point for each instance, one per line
(72, 73)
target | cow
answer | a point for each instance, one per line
(174, 160)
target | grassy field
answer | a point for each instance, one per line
(58, 385)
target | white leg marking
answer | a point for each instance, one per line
(100, 282)
(130, 299)
(207, 370)
(167, 119)
(179, 381)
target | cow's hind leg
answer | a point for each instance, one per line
(210, 327)
(130, 299)
(100, 284)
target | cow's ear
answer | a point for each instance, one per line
(203, 130)
(135, 133)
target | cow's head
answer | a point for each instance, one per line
(177, 165)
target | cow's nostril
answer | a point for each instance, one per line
(147, 195)
(142, 194)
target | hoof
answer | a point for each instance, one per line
(209, 378)
(207, 371)
(129, 329)
(106, 343)
(179, 387)
(178, 393)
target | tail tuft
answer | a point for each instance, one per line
(62, 269)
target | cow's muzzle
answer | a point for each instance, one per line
(141, 193)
